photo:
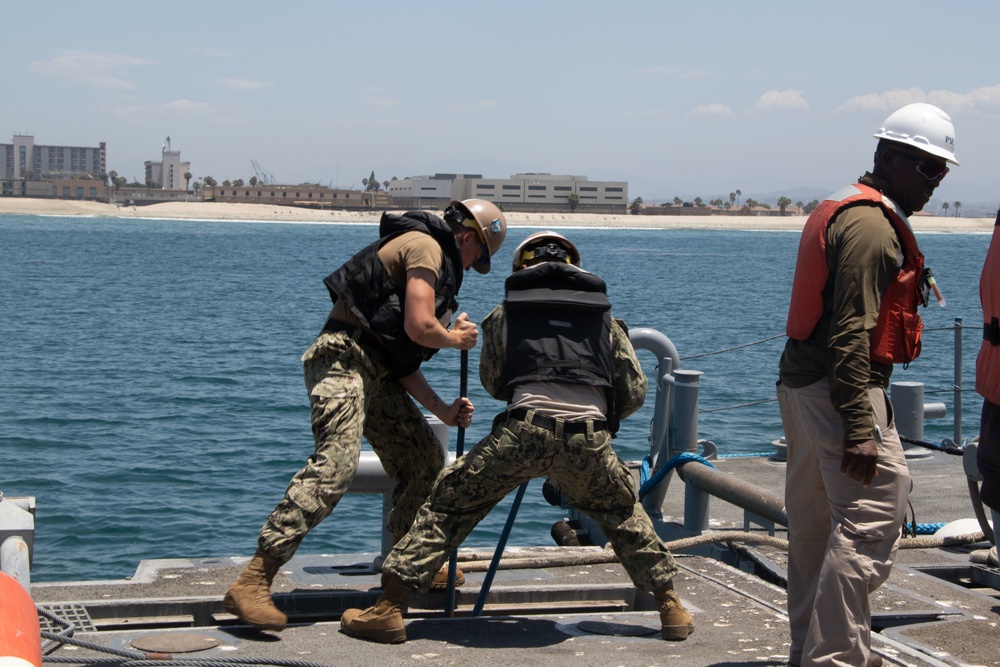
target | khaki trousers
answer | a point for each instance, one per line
(842, 536)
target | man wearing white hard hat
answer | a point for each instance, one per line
(859, 279)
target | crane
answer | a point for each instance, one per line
(261, 174)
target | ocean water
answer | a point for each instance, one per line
(151, 395)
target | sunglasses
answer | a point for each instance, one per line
(929, 169)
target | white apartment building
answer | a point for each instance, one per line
(524, 192)
(22, 156)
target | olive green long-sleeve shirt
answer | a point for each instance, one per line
(863, 254)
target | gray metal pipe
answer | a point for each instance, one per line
(15, 560)
(735, 491)
(908, 413)
(644, 338)
(958, 381)
(17, 527)
(371, 477)
(667, 363)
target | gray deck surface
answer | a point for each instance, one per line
(937, 608)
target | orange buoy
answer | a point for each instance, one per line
(20, 634)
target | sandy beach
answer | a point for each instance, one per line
(267, 213)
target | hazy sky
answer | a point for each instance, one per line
(677, 98)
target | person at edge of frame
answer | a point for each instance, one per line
(988, 386)
(859, 279)
(392, 303)
(569, 374)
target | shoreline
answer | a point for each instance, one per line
(230, 212)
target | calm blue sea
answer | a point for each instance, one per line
(151, 395)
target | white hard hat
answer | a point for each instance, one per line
(536, 246)
(922, 126)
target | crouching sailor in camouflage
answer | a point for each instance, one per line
(568, 373)
(392, 302)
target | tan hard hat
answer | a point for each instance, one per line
(491, 224)
(536, 244)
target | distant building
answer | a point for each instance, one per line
(91, 189)
(526, 192)
(58, 172)
(23, 158)
(307, 195)
(168, 173)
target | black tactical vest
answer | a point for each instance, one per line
(378, 302)
(559, 329)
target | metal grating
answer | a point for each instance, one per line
(73, 613)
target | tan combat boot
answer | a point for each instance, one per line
(676, 620)
(382, 623)
(440, 581)
(249, 597)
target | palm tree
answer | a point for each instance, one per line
(678, 201)
(783, 203)
(113, 181)
(945, 207)
(636, 207)
(798, 205)
(958, 207)
(698, 201)
(211, 183)
(574, 201)
(187, 180)
(738, 194)
(732, 199)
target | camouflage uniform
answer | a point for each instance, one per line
(589, 473)
(351, 393)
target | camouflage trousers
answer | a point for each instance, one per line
(351, 395)
(589, 473)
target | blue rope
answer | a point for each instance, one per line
(929, 528)
(646, 483)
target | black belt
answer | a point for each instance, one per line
(357, 334)
(991, 331)
(549, 423)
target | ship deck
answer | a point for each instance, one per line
(937, 608)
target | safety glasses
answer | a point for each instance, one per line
(929, 169)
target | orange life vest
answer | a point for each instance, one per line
(988, 361)
(896, 338)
